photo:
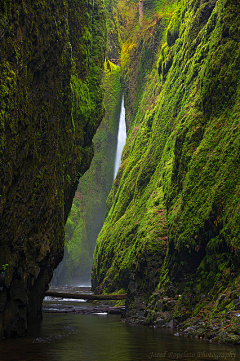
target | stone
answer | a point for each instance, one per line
(170, 324)
(160, 322)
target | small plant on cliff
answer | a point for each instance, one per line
(4, 266)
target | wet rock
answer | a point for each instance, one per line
(236, 304)
(170, 324)
(160, 322)
(190, 329)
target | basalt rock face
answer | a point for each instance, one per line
(173, 222)
(51, 62)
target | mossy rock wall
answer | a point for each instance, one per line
(114, 38)
(173, 220)
(51, 64)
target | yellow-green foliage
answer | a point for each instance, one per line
(176, 196)
(125, 53)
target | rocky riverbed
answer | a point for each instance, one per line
(217, 321)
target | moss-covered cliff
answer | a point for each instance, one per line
(51, 62)
(88, 209)
(173, 221)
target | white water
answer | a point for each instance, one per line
(122, 135)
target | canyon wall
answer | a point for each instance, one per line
(172, 228)
(51, 66)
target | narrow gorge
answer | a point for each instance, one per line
(88, 209)
(168, 234)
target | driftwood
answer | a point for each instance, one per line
(83, 296)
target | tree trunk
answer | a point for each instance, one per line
(86, 296)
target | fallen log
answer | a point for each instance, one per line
(83, 296)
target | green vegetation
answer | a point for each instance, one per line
(173, 220)
(4, 266)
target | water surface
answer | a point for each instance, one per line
(101, 337)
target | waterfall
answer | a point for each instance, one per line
(122, 135)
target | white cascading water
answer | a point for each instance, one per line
(122, 135)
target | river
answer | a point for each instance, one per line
(67, 335)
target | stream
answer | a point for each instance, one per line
(66, 334)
